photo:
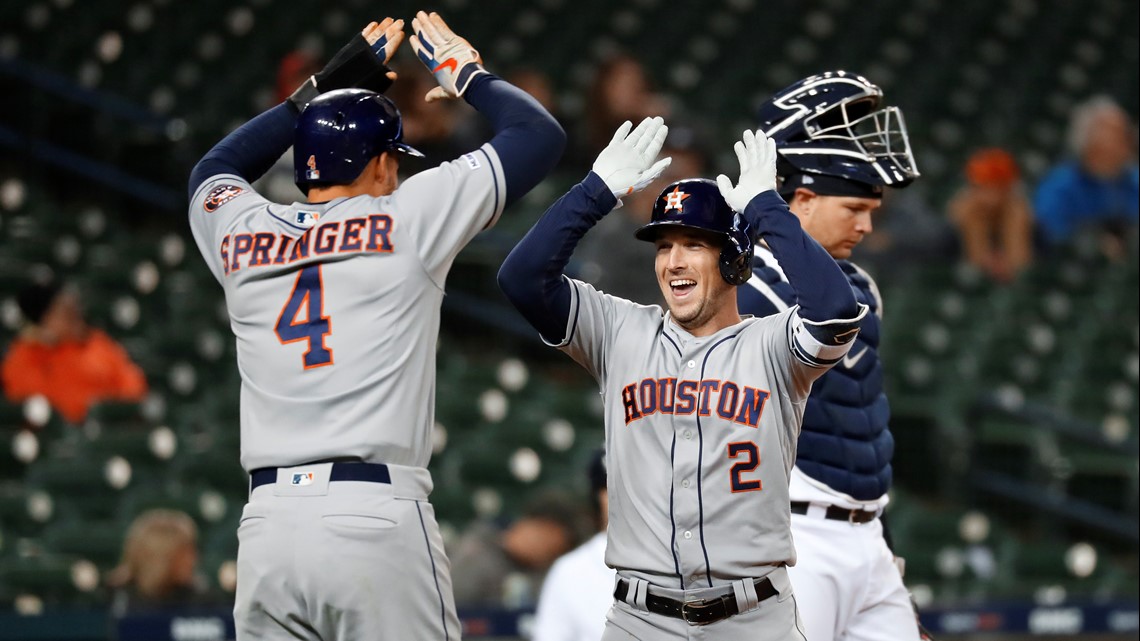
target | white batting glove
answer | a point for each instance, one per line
(450, 58)
(626, 164)
(757, 155)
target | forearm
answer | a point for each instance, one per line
(531, 277)
(822, 290)
(528, 140)
(250, 150)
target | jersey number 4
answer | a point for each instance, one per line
(303, 318)
(749, 456)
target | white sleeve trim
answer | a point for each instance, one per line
(500, 181)
(571, 318)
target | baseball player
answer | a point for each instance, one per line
(335, 304)
(702, 407)
(839, 146)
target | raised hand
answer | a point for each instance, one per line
(626, 164)
(757, 155)
(450, 58)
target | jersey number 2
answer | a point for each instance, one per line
(749, 462)
(312, 326)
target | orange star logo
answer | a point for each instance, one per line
(674, 199)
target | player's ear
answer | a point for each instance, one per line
(803, 201)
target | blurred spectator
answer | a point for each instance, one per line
(578, 590)
(606, 258)
(442, 129)
(295, 68)
(537, 84)
(504, 566)
(992, 215)
(621, 91)
(1099, 187)
(158, 569)
(58, 355)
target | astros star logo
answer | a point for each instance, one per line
(673, 200)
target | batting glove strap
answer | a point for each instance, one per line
(356, 65)
(453, 62)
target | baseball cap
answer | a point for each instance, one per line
(828, 186)
(992, 167)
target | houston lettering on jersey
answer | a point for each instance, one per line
(260, 249)
(730, 401)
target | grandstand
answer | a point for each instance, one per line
(1015, 407)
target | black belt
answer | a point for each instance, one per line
(341, 471)
(700, 612)
(836, 513)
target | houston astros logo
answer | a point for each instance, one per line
(673, 200)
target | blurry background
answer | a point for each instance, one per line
(1014, 400)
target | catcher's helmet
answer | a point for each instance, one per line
(835, 124)
(340, 131)
(696, 203)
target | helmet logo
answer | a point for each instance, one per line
(313, 173)
(674, 198)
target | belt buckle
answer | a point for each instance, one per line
(851, 517)
(696, 607)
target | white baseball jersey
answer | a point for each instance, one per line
(576, 594)
(336, 307)
(700, 436)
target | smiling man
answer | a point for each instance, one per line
(702, 406)
(839, 147)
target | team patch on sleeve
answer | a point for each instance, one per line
(221, 195)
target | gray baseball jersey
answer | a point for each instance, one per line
(336, 307)
(700, 436)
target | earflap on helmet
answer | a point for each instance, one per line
(736, 254)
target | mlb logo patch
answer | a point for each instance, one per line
(308, 218)
(301, 479)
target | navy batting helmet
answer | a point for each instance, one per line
(835, 124)
(340, 131)
(696, 203)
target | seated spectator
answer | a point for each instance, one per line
(1099, 187)
(496, 566)
(59, 356)
(158, 569)
(993, 217)
(578, 590)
